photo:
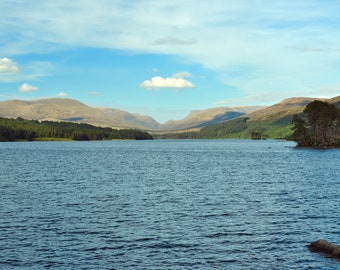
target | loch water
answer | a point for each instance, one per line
(167, 204)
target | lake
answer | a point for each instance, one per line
(167, 204)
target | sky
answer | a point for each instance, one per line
(166, 58)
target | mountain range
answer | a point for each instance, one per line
(65, 109)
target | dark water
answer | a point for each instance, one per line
(227, 204)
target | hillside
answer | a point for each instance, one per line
(335, 101)
(133, 120)
(201, 118)
(64, 109)
(273, 122)
(282, 109)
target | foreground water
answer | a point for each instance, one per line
(226, 204)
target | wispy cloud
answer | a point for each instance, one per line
(314, 49)
(95, 93)
(26, 88)
(244, 42)
(173, 41)
(175, 37)
(182, 74)
(271, 97)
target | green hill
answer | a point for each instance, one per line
(245, 128)
(271, 122)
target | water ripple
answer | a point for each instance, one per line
(166, 205)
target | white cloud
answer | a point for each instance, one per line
(7, 65)
(160, 82)
(63, 94)
(26, 88)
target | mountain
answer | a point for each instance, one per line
(201, 118)
(64, 109)
(221, 122)
(134, 120)
(284, 108)
(274, 121)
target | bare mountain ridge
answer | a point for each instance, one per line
(134, 119)
(65, 109)
(286, 107)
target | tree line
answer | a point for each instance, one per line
(318, 126)
(29, 130)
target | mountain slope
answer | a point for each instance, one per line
(284, 108)
(201, 118)
(335, 101)
(273, 121)
(134, 120)
(63, 109)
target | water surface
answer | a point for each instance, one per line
(194, 204)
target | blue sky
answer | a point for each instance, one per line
(166, 58)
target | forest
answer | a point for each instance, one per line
(318, 126)
(31, 130)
